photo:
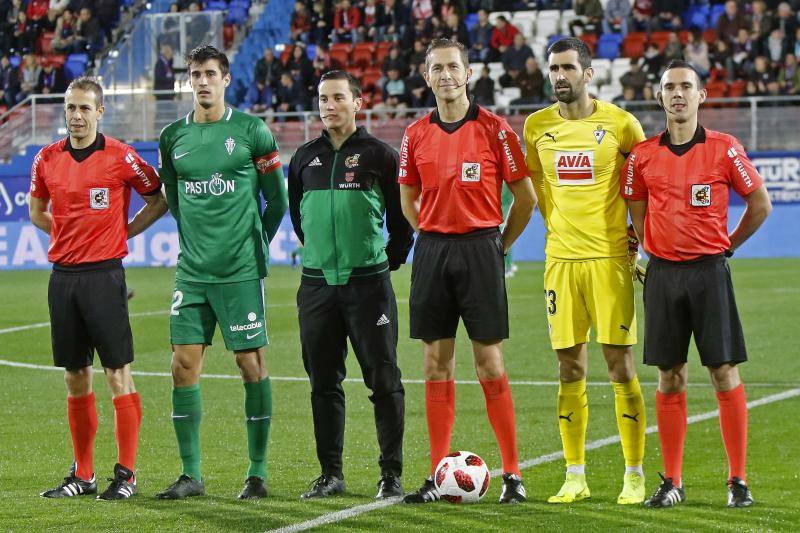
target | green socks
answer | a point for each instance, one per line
(187, 412)
(258, 413)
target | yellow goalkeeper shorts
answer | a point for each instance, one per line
(595, 293)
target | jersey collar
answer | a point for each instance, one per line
(452, 127)
(81, 154)
(225, 118)
(680, 149)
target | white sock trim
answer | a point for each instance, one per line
(637, 469)
(576, 469)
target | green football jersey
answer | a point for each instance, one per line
(214, 168)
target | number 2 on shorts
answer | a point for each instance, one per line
(177, 298)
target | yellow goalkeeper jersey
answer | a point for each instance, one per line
(575, 165)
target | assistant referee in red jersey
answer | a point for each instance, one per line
(677, 185)
(80, 192)
(453, 163)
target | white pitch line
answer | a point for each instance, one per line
(344, 514)
(31, 366)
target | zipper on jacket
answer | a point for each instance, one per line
(333, 215)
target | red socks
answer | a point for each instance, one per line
(500, 408)
(733, 423)
(127, 418)
(440, 408)
(671, 416)
(82, 415)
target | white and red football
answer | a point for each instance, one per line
(462, 477)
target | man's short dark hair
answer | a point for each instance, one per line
(680, 63)
(440, 43)
(88, 83)
(572, 43)
(203, 53)
(352, 81)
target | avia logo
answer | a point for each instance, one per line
(315, 162)
(634, 417)
(568, 418)
(215, 186)
(230, 145)
(575, 168)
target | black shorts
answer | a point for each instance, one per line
(691, 297)
(88, 312)
(459, 276)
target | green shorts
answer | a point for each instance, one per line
(237, 307)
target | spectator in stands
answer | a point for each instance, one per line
(797, 43)
(288, 96)
(516, 55)
(374, 21)
(508, 78)
(776, 46)
(323, 62)
(635, 78)
(696, 52)
(51, 80)
(163, 73)
(629, 94)
(87, 33)
(9, 82)
(789, 76)
(48, 23)
(29, 72)
(642, 11)
(36, 10)
(455, 29)
(652, 62)
(588, 17)
(531, 84)
(24, 34)
(419, 94)
(730, 22)
(300, 23)
(483, 90)
(107, 13)
(320, 26)
(396, 17)
(761, 21)
(268, 69)
(786, 21)
(751, 89)
(64, 36)
(346, 21)
(722, 66)
(503, 35)
(421, 9)
(59, 5)
(616, 17)
(299, 67)
(673, 49)
(394, 95)
(480, 38)
(394, 61)
(667, 14)
(762, 74)
(418, 54)
(197, 26)
(448, 7)
(258, 98)
(743, 53)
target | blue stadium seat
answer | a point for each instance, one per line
(311, 51)
(216, 5)
(73, 69)
(237, 15)
(608, 46)
(471, 20)
(716, 11)
(554, 38)
(15, 60)
(78, 58)
(697, 16)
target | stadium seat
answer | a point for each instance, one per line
(717, 10)
(340, 53)
(602, 70)
(362, 57)
(471, 20)
(737, 88)
(554, 38)
(633, 45)
(370, 77)
(590, 39)
(567, 16)
(660, 38)
(15, 61)
(237, 15)
(608, 46)
(228, 35)
(710, 36)
(73, 69)
(548, 23)
(382, 51)
(697, 16)
(216, 5)
(716, 89)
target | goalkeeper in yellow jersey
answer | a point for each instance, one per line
(575, 150)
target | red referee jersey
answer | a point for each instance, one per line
(461, 168)
(686, 188)
(90, 197)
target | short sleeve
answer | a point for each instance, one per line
(632, 184)
(512, 159)
(407, 173)
(265, 149)
(742, 174)
(166, 170)
(532, 160)
(139, 174)
(631, 134)
(38, 183)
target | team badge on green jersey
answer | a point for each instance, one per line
(230, 144)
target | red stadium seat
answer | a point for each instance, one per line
(633, 44)
(591, 41)
(710, 36)
(684, 37)
(737, 88)
(228, 35)
(370, 78)
(362, 57)
(340, 53)
(381, 51)
(660, 38)
(716, 89)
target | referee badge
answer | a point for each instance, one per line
(701, 195)
(470, 172)
(98, 198)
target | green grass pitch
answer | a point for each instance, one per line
(35, 451)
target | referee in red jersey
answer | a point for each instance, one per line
(80, 192)
(677, 186)
(453, 163)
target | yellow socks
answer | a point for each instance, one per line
(573, 415)
(631, 420)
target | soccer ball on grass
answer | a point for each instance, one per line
(462, 477)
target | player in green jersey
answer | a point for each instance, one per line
(214, 163)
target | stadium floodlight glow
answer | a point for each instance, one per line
(148, 6)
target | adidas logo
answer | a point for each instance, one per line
(315, 163)
(382, 321)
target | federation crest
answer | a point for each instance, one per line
(352, 161)
(701, 195)
(98, 198)
(230, 144)
(470, 172)
(599, 133)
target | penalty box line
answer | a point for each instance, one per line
(352, 512)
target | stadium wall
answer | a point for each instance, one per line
(22, 246)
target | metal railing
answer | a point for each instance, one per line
(760, 123)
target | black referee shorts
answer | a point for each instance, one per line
(88, 312)
(691, 297)
(458, 276)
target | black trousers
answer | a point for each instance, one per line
(365, 311)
